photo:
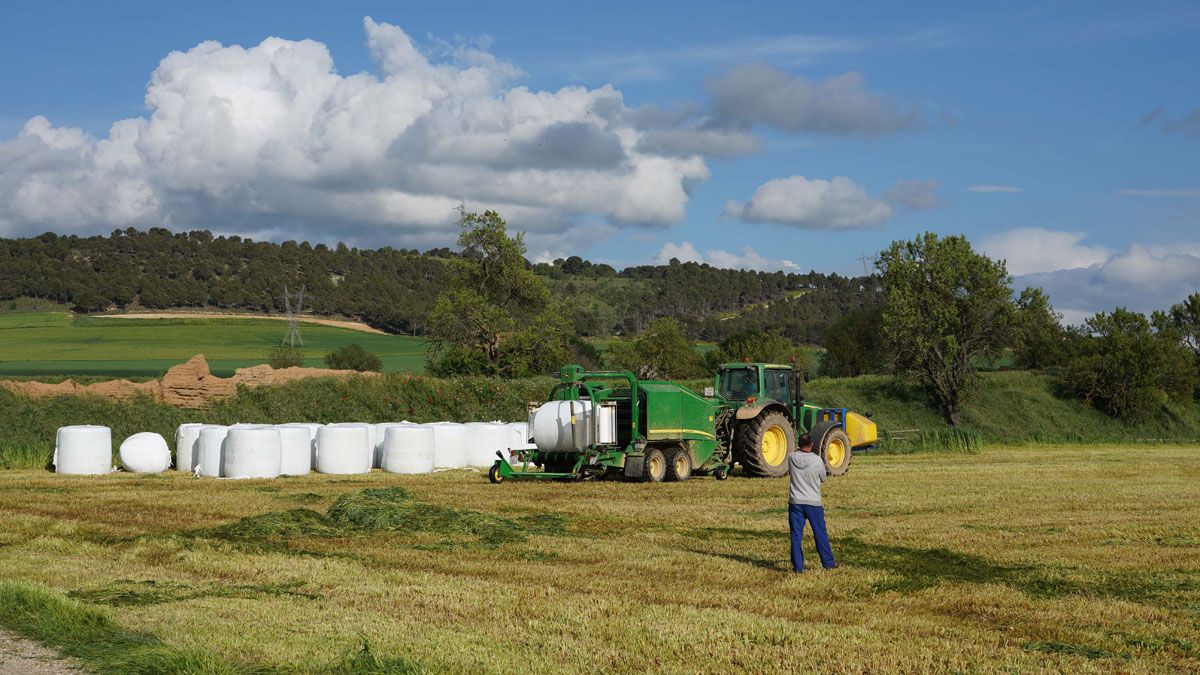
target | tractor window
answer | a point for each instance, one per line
(739, 384)
(779, 384)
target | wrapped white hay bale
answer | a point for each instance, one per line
(562, 425)
(296, 443)
(145, 452)
(378, 438)
(484, 440)
(252, 452)
(449, 445)
(312, 435)
(185, 446)
(210, 450)
(344, 449)
(408, 448)
(83, 449)
(521, 432)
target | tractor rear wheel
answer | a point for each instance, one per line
(654, 466)
(679, 465)
(833, 445)
(764, 443)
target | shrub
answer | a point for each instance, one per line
(285, 356)
(353, 357)
(1125, 368)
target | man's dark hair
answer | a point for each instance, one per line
(804, 441)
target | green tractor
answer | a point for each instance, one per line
(612, 424)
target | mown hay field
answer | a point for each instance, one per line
(37, 344)
(1031, 559)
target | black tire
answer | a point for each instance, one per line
(833, 445)
(721, 472)
(748, 441)
(679, 465)
(494, 474)
(654, 466)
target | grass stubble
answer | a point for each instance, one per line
(1081, 560)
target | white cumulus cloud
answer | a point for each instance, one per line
(748, 259)
(835, 204)
(272, 138)
(1030, 249)
(1140, 278)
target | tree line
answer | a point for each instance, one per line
(396, 289)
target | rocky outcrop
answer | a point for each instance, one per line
(187, 385)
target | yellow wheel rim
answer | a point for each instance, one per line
(835, 454)
(774, 446)
(656, 465)
(680, 465)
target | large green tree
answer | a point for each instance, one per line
(495, 316)
(945, 306)
(661, 352)
(854, 344)
(1038, 339)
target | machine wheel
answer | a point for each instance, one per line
(679, 465)
(833, 445)
(764, 443)
(721, 473)
(494, 474)
(654, 466)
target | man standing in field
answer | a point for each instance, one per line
(807, 472)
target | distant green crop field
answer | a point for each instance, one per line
(59, 343)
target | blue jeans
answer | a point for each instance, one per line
(815, 515)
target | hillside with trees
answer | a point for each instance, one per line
(396, 289)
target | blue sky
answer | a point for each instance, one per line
(1061, 136)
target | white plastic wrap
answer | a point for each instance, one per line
(185, 446)
(296, 447)
(145, 452)
(344, 449)
(408, 448)
(252, 452)
(449, 445)
(210, 450)
(378, 438)
(83, 449)
(552, 428)
(521, 431)
(484, 440)
(312, 435)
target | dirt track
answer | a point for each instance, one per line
(18, 655)
(336, 323)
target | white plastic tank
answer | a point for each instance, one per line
(185, 446)
(344, 449)
(484, 440)
(296, 446)
(408, 448)
(83, 449)
(449, 445)
(210, 450)
(252, 452)
(145, 452)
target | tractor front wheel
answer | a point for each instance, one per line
(654, 466)
(679, 465)
(764, 443)
(833, 445)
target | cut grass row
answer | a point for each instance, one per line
(1008, 560)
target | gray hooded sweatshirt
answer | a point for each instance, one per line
(807, 472)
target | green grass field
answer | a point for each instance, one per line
(1012, 560)
(36, 344)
